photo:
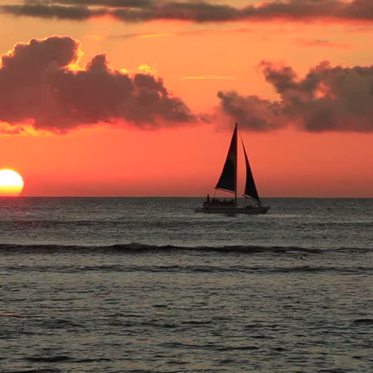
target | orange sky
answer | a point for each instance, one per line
(195, 61)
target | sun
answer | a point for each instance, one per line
(11, 183)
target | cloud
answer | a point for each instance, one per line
(195, 11)
(41, 10)
(358, 10)
(39, 85)
(326, 99)
(321, 43)
(7, 129)
(208, 77)
(108, 3)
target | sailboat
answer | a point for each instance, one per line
(228, 183)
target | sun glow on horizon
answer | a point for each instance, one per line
(11, 183)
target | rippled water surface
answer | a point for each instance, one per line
(147, 285)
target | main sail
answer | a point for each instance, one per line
(228, 177)
(250, 188)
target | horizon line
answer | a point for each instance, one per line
(180, 196)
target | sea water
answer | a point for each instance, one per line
(148, 285)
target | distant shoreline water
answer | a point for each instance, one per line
(303, 223)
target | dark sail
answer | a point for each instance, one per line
(250, 188)
(227, 180)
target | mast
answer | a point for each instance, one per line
(250, 187)
(236, 166)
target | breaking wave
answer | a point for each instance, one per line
(138, 248)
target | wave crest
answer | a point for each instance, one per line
(138, 248)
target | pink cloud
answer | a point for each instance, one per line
(37, 84)
(327, 99)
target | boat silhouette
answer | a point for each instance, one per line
(228, 183)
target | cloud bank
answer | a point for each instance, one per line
(195, 11)
(38, 84)
(41, 85)
(326, 99)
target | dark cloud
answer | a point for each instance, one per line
(109, 3)
(252, 111)
(320, 43)
(296, 9)
(327, 99)
(53, 11)
(196, 11)
(38, 84)
(185, 11)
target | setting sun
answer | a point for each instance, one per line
(11, 183)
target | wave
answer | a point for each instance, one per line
(363, 322)
(188, 268)
(138, 248)
(48, 359)
(38, 370)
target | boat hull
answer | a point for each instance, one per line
(232, 210)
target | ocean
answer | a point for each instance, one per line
(148, 285)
